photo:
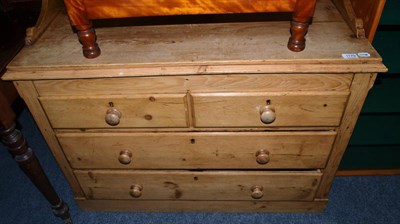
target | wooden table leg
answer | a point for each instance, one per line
(28, 162)
(302, 16)
(87, 37)
(80, 22)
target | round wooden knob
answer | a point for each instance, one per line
(267, 114)
(262, 156)
(256, 192)
(125, 157)
(136, 190)
(113, 116)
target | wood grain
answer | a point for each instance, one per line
(138, 8)
(370, 12)
(215, 150)
(156, 110)
(359, 90)
(291, 108)
(207, 185)
(178, 49)
(362, 15)
(27, 91)
(355, 23)
(185, 69)
(190, 96)
(195, 84)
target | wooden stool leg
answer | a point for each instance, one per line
(302, 15)
(89, 45)
(28, 162)
(297, 40)
(80, 22)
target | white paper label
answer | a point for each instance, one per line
(364, 55)
(349, 56)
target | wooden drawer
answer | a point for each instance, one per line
(196, 84)
(157, 110)
(289, 108)
(217, 150)
(207, 185)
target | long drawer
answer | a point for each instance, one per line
(207, 185)
(207, 150)
(125, 111)
(196, 84)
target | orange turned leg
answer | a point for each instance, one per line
(86, 34)
(302, 16)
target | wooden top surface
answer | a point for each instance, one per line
(247, 47)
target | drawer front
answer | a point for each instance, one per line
(207, 185)
(196, 83)
(218, 150)
(158, 110)
(277, 109)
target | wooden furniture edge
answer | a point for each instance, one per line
(49, 10)
(317, 205)
(355, 23)
(359, 90)
(28, 92)
(359, 23)
(367, 172)
(375, 22)
(38, 74)
(370, 12)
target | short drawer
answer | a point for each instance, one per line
(217, 150)
(157, 110)
(207, 185)
(269, 109)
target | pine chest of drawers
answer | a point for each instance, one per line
(211, 117)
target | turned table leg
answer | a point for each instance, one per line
(297, 40)
(25, 157)
(302, 15)
(87, 37)
(80, 22)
